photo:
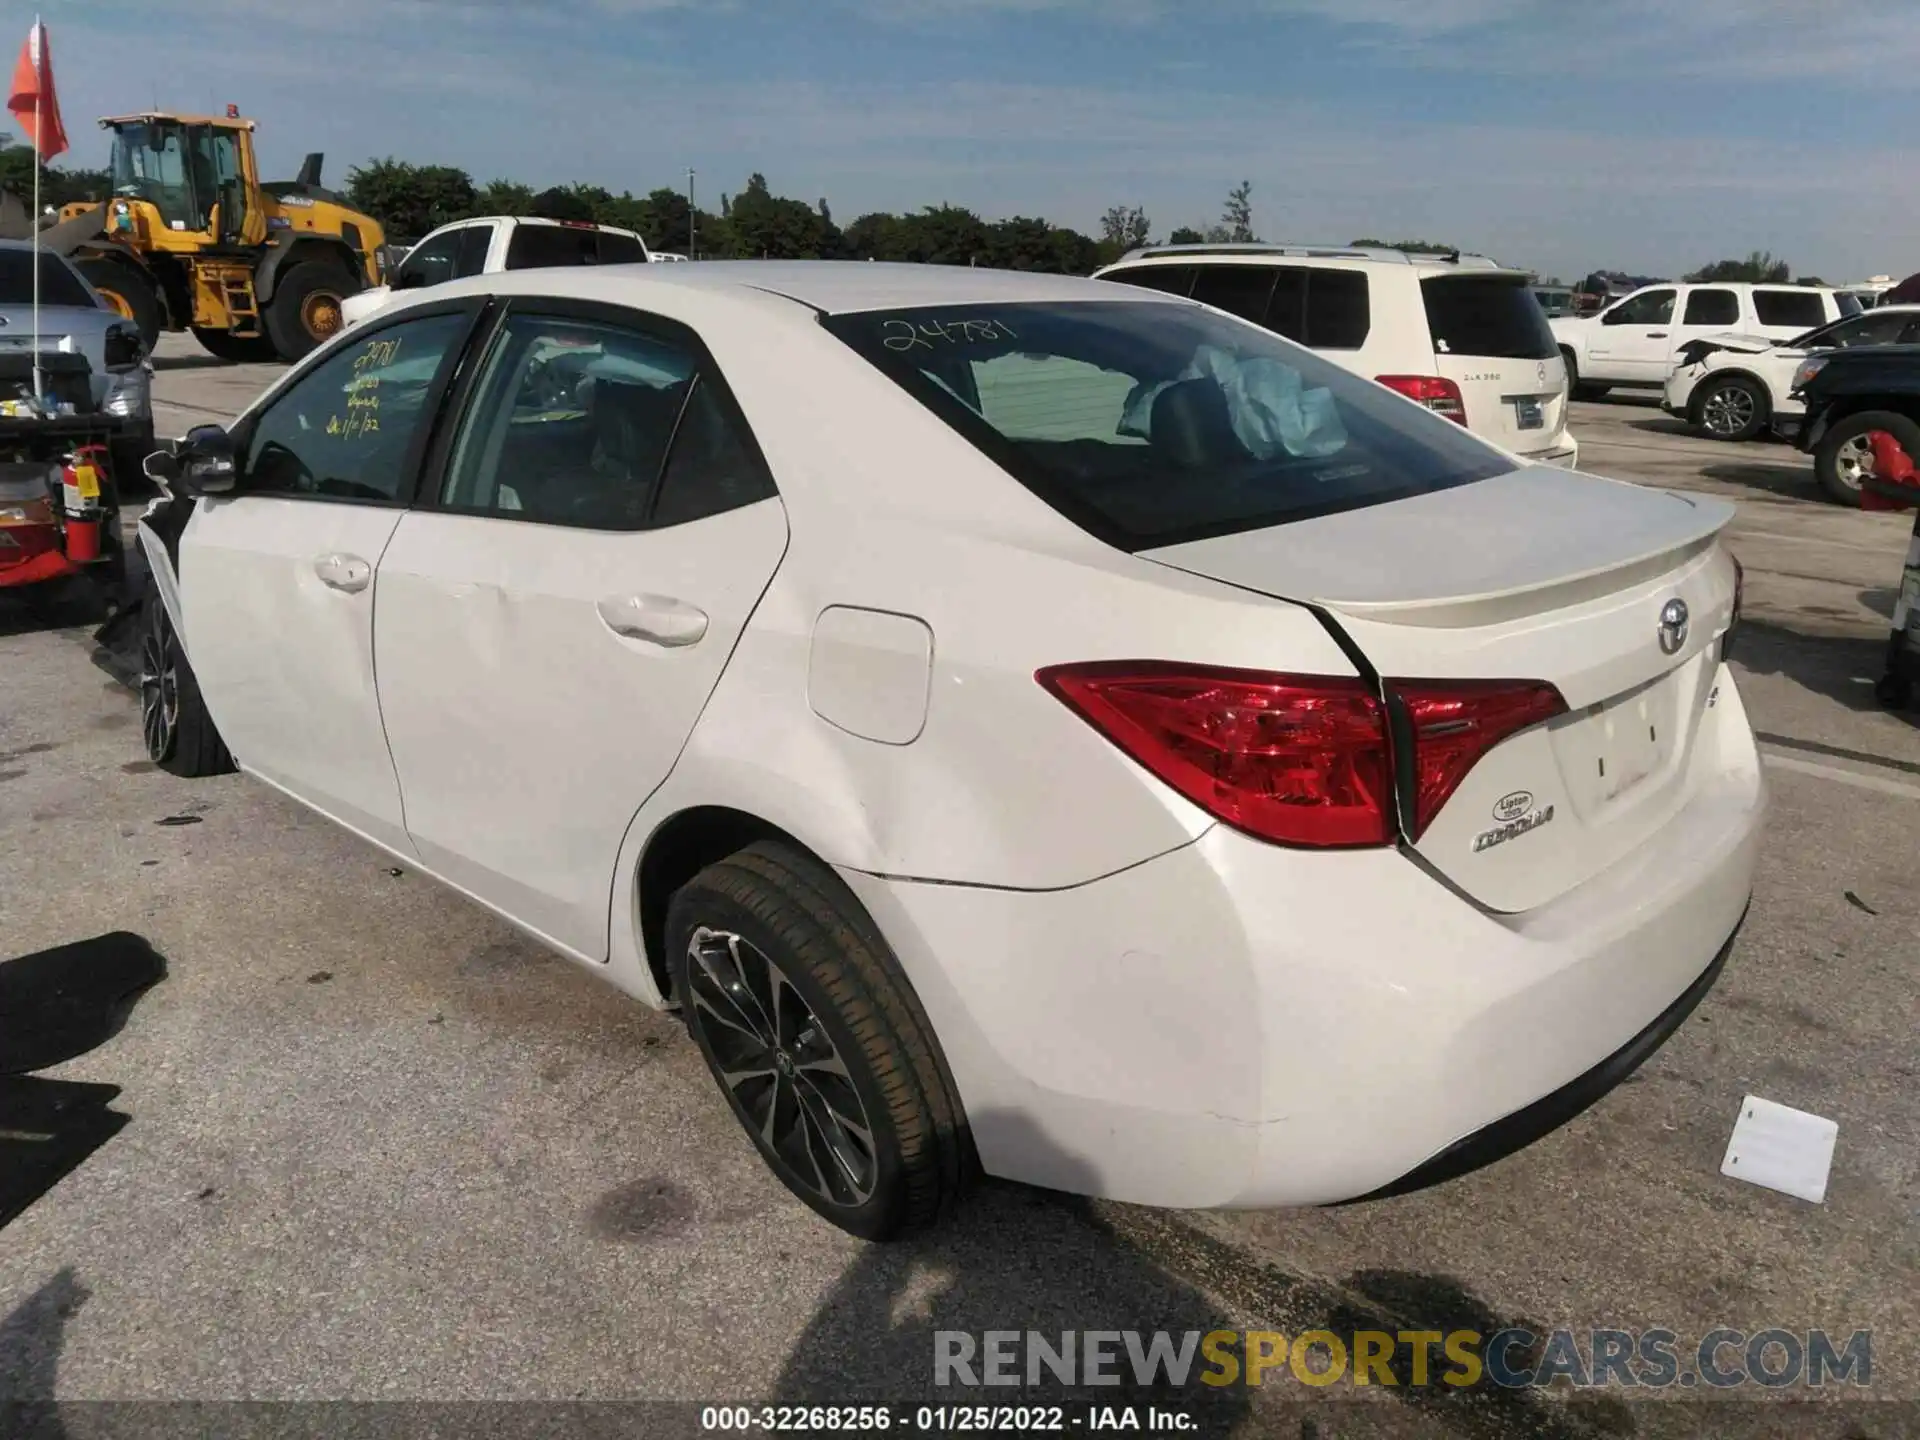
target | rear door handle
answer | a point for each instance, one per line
(343, 572)
(657, 619)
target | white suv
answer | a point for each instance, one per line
(1635, 342)
(1458, 333)
(1734, 387)
(496, 243)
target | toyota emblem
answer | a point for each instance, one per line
(1543, 372)
(1673, 626)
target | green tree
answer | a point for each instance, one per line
(772, 227)
(1187, 235)
(1237, 217)
(1759, 267)
(1125, 227)
(1422, 247)
(411, 199)
(57, 187)
(504, 197)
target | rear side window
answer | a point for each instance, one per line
(1149, 424)
(1486, 315)
(1168, 279)
(471, 258)
(1789, 307)
(1711, 307)
(1339, 313)
(1240, 290)
(542, 247)
(621, 249)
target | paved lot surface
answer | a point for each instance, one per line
(381, 1147)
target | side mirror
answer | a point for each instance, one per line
(204, 463)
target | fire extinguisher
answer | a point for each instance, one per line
(80, 504)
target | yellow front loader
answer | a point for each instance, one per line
(191, 239)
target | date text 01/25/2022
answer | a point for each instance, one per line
(967, 1419)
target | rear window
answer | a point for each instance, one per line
(1168, 279)
(58, 283)
(621, 249)
(1150, 424)
(541, 247)
(1486, 315)
(1789, 307)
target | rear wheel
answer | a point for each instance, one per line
(1845, 454)
(179, 734)
(238, 349)
(1577, 389)
(1731, 409)
(305, 310)
(129, 292)
(818, 1042)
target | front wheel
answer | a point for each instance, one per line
(305, 310)
(1845, 454)
(811, 1029)
(1731, 409)
(129, 291)
(179, 733)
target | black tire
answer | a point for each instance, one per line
(1734, 408)
(302, 296)
(124, 282)
(1577, 389)
(769, 914)
(179, 734)
(1833, 459)
(237, 349)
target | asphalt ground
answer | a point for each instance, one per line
(379, 1147)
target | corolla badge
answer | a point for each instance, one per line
(1512, 807)
(1673, 626)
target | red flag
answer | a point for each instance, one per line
(32, 100)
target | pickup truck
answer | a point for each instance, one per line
(1635, 341)
(494, 243)
(1847, 395)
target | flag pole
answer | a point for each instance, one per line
(40, 69)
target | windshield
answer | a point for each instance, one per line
(1150, 423)
(181, 170)
(58, 284)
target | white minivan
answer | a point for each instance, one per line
(1459, 333)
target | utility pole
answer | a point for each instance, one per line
(693, 220)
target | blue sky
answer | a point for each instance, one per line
(1646, 135)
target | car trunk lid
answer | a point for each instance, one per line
(1534, 575)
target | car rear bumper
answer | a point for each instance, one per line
(1565, 453)
(1233, 1024)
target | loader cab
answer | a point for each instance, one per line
(196, 173)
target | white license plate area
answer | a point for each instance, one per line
(1616, 752)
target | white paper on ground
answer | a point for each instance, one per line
(1781, 1148)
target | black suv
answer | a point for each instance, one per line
(1849, 394)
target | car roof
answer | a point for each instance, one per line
(1423, 264)
(831, 287)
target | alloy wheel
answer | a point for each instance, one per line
(1853, 461)
(1728, 410)
(784, 1072)
(159, 693)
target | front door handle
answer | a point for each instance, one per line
(658, 619)
(343, 572)
(1656, 334)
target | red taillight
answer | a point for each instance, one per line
(1295, 759)
(1455, 722)
(1437, 393)
(1300, 760)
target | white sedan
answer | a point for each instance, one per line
(1022, 723)
(1735, 387)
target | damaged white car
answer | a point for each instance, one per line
(1736, 387)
